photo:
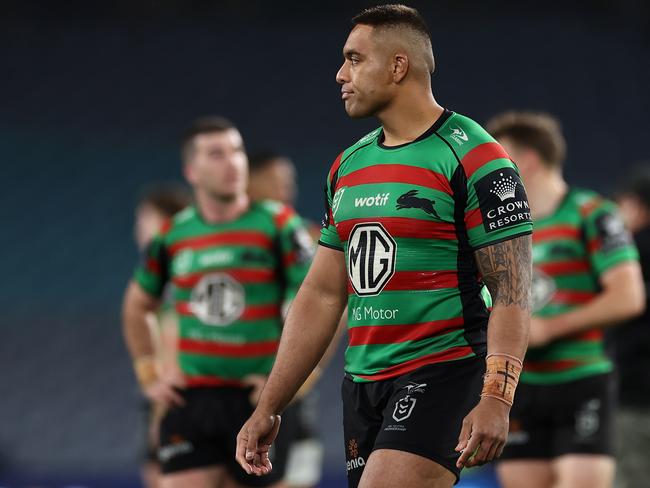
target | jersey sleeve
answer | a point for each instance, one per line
(329, 237)
(297, 251)
(153, 272)
(609, 243)
(496, 207)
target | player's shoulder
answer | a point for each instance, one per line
(463, 133)
(278, 213)
(589, 202)
(349, 152)
(178, 222)
(364, 142)
(473, 147)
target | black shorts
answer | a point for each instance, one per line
(148, 449)
(420, 412)
(204, 433)
(548, 421)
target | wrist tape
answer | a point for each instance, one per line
(501, 377)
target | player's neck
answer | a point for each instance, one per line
(545, 193)
(408, 117)
(215, 210)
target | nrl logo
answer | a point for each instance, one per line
(336, 201)
(405, 405)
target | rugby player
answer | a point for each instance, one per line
(156, 205)
(234, 265)
(586, 277)
(424, 215)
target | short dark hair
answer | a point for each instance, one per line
(203, 125)
(166, 198)
(637, 183)
(537, 131)
(393, 15)
(260, 160)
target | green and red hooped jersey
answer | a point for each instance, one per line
(408, 219)
(572, 248)
(231, 281)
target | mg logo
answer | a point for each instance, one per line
(371, 258)
(217, 299)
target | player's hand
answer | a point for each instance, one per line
(254, 441)
(257, 382)
(162, 392)
(540, 332)
(484, 433)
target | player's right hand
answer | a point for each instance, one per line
(254, 442)
(164, 393)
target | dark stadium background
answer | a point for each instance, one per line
(93, 98)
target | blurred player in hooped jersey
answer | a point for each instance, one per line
(586, 277)
(158, 203)
(273, 177)
(234, 265)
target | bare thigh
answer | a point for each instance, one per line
(584, 471)
(388, 468)
(531, 473)
(210, 477)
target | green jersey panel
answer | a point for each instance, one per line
(232, 281)
(408, 220)
(572, 248)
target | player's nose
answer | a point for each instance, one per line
(342, 74)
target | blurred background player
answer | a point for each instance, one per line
(234, 264)
(632, 345)
(273, 177)
(586, 277)
(157, 204)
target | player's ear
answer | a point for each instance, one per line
(189, 172)
(400, 67)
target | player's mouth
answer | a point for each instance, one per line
(345, 94)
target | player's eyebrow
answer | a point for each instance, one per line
(348, 53)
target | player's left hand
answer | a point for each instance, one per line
(256, 382)
(541, 332)
(484, 433)
(254, 442)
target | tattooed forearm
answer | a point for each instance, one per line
(506, 268)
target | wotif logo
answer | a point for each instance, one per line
(378, 200)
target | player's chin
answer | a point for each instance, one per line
(356, 112)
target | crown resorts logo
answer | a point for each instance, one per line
(504, 188)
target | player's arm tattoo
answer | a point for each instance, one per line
(506, 269)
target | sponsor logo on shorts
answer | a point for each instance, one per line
(588, 419)
(177, 447)
(355, 461)
(517, 435)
